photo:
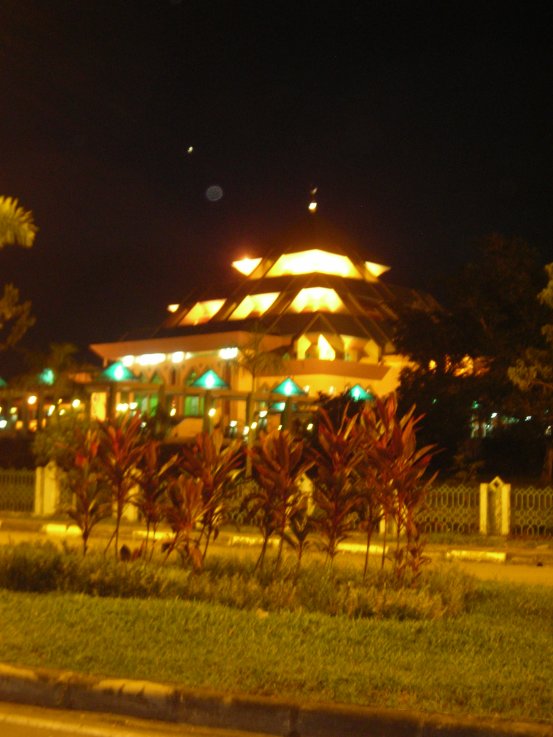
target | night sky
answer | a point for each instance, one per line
(423, 125)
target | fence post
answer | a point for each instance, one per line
(483, 509)
(506, 509)
(38, 505)
(50, 489)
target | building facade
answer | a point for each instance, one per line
(296, 324)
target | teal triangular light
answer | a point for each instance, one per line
(288, 387)
(210, 380)
(359, 394)
(46, 377)
(117, 372)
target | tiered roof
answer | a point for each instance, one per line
(297, 292)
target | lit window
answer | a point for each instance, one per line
(202, 312)
(314, 261)
(246, 265)
(376, 270)
(317, 299)
(150, 359)
(228, 354)
(326, 351)
(256, 304)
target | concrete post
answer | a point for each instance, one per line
(483, 509)
(47, 490)
(506, 509)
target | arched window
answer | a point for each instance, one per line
(193, 406)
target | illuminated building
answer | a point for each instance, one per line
(322, 317)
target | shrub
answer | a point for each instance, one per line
(31, 567)
(231, 582)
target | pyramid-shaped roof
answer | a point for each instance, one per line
(292, 291)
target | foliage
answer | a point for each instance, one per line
(122, 447)
(16, 228)
(461, 352)
(232, 582)
(533, 373)
(335, 495)
(279, 465)
(15, 317)
(395, 468)
(153, 478)
(217, 467)
(55, 440)
(86, 482)
(184, 511)
(16, 224)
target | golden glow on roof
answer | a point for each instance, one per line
(317, 299)
(376, 269)
(254, 305)
(202, 312)
(246, 265)
(172, 308)
(314, 261)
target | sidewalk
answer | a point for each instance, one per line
(507, 552)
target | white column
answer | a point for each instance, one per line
(506, 509)
(483, 509)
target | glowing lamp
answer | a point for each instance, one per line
(210, 380)
(358, 394)
(46, 377)
(117, 372)
(289, 388)
(228, 354)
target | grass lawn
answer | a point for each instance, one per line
(496, 658)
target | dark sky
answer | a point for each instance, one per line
(423, 125)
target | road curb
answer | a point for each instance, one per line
(146, 699)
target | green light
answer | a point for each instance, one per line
(117, 372)
(289, 388)
(357, 393)
(210, 380)
(46, 377)
(2, 383)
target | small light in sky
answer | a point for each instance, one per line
(190, 150)
(312, 207)
(214, 193)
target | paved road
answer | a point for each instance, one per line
(516, 573)
(18, 720)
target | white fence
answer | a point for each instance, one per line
(488, 509)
